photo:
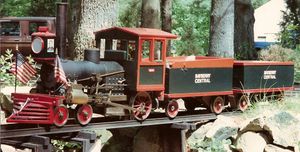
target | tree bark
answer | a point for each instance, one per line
(243, 30)
(166, 15)
(222, 28)
(86, 17)
(151, 14)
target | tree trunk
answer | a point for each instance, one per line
(166, 15)
(243, 30)
(222, 28)
(86, 17)
(151, 14)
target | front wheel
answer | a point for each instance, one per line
(84, 114)
(61, 115)
(141, 102)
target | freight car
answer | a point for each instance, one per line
(135, 74)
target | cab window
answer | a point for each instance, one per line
(146, 50)
(158, 50)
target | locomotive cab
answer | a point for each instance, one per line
(141, 51)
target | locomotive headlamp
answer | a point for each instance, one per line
(37, 45)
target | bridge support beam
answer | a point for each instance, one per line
(86, 140)
(36, 143)
(184, 127)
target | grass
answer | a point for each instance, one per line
(267, 107)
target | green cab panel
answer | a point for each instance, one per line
(193, 80)
(151, 75)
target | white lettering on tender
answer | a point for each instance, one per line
(270, 74)
(202, 78)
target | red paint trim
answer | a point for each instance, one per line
(199, 62)
(150, 88)
(45, 59)
(260, 63)
(197, 94)
(262, 90)
(140, 32)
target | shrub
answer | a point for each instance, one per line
(279, 53)
(6, 61)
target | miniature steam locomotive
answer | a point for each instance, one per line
(136, 75)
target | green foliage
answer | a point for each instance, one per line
(43, 7)
(6, 63)
(191, 21)
(289, 35)
(28, 7)
(290, 26)
(279, 53)
(14, 7)
(130, 13)
(257, 3)
(213, 145)
(64, 145)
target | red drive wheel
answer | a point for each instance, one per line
(242, 104)
(84, 114)
(142, 104)
(61, 115)
(172, 109)
(216, 105)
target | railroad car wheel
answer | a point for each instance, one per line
(84, 114)
(142, 103)
(172, 109)
(279, 96)
(216, 105)
(243, 103)
(61, 115)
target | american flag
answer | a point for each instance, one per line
(59, 73)
(23, 71)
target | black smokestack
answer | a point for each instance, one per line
(61, 28)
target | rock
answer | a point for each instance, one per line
(273, 148)
(246, 142)
(256, 125)
(104, 135)
(121, 140)
(7, 148)
(214, 136)
(2, 117)
(284, 129)
(198, 135)
(223, 128)
(147, 140)
(6, 104)
(97, 146)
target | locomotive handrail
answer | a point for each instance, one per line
(103, 75)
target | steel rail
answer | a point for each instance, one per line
(31, 131)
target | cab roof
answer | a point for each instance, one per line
(133, 32)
